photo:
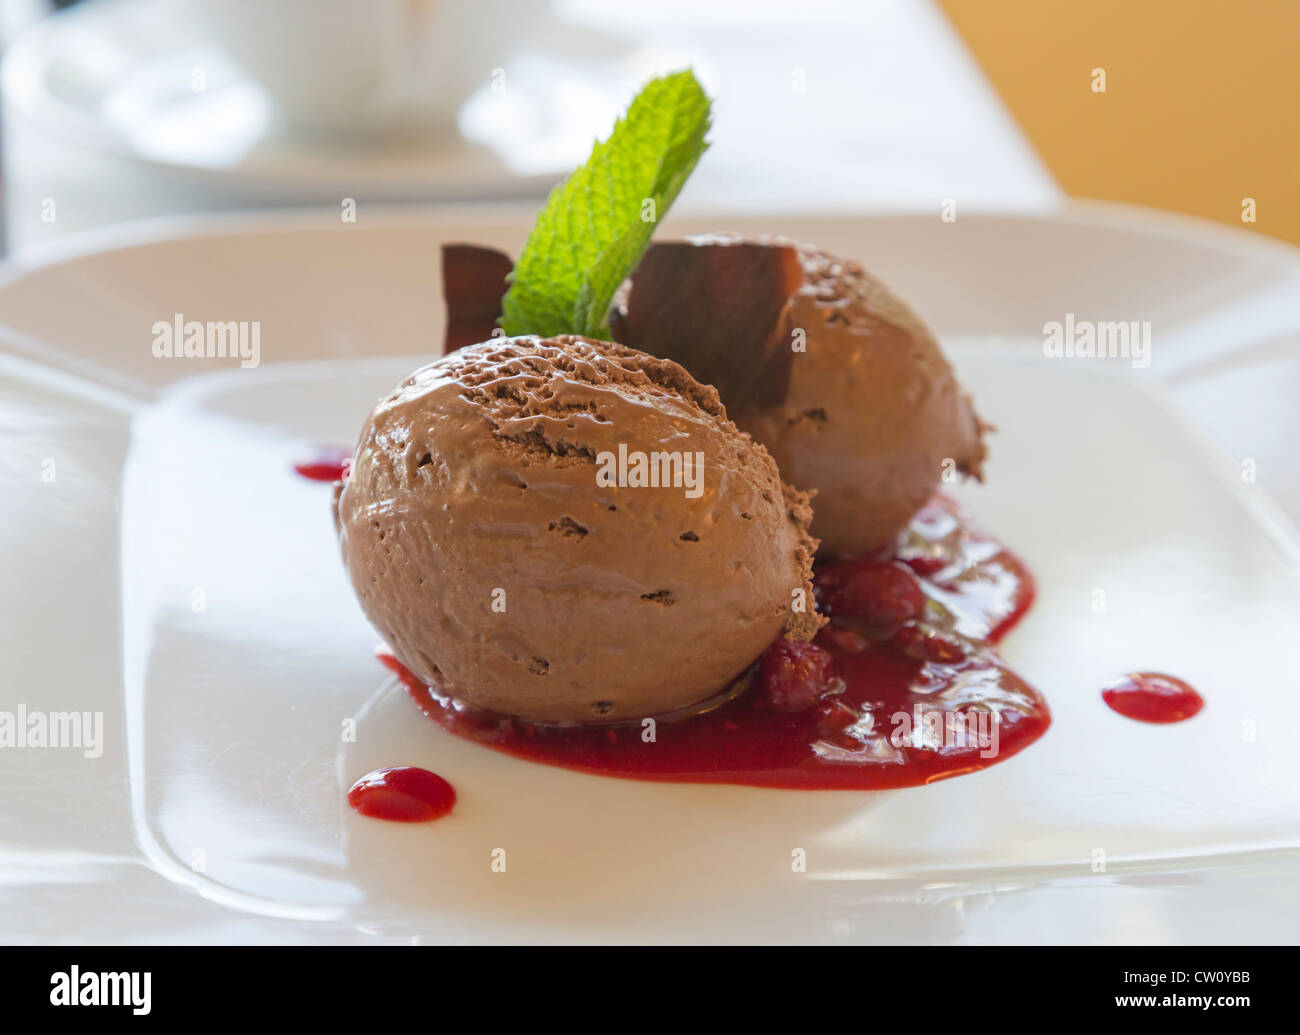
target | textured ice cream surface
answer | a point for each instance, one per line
(501, 535)
(874, 415)
(858, 404)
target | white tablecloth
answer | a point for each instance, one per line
(819, 105)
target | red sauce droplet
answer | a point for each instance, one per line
(1152, 697)
(918, 698)
(325, 464)
(403, 793)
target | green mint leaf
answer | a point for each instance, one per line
(596, 225)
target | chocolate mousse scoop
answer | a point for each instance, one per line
(567, 530)
(856, 401)
(814, 357)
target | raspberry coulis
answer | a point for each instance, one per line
(324, 464)
(404, 793)
(903, 687)
(1152, 697)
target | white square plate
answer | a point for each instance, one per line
(238, 652)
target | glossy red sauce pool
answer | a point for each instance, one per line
(324, 464)
(924, 695)
(1153, 697)
(404, 793)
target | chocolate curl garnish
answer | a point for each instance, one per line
(473, 284)
(720, 307)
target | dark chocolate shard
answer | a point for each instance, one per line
(473, 284)
(719, 306)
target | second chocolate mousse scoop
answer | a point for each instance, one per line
(567, 530)
(820, 362)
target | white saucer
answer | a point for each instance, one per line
(118, 78)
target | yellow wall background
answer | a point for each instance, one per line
(1202, 101)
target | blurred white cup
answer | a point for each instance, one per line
(369, 67)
